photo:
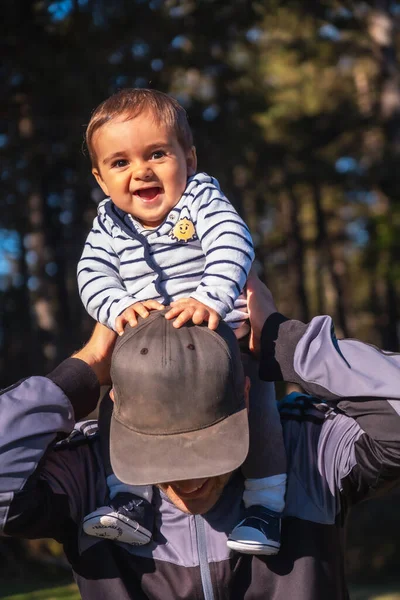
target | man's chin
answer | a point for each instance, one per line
(194, 508)
(196, 500)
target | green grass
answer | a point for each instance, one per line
(66, 592)
(375, 592)
(34, 591)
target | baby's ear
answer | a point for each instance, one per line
(111, 392)
(99, 179)
(191, 161)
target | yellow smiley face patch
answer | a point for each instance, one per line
(183, 231)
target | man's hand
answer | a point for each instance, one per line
(129, 315)
(260, 305)
(97, 352)
(189, 308)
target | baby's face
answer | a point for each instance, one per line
(142, 167)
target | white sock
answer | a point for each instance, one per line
(266, 491)
(115, 486)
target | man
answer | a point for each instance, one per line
(338, 451)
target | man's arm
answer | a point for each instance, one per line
(360, 454)
(311, 355)
(360, 447)
(36, 482)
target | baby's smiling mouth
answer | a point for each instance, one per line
(148, 193)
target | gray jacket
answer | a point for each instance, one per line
(339, 451)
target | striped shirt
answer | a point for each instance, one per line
(203, 249)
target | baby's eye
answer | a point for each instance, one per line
(118, 164)
(158, 154)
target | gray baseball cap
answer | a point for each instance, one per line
(179, 410)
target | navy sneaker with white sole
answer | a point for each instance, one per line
(127, 519)
(258, 533)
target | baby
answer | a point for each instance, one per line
(167, 236)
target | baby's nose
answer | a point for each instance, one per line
(142, 173)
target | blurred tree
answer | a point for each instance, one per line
(328, 176)
(62, 59)
(294, 107)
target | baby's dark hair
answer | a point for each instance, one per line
(131, 102)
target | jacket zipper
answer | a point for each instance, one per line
(203, 559)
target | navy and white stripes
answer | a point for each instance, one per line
(203, 249)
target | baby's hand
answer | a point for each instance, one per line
(189, 308)
(129, 314)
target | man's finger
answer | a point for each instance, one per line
(102, 339)
(260, 305)
(253, 279)
(97, 352)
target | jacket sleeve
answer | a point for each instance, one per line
(40, 489)
(101, 287)
(359, 382)
(227, 246)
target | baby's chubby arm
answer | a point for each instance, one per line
(101, 288)
(228, 248)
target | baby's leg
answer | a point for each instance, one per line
(264, 470)
(129, 516)
(267, 455)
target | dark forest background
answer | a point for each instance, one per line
(295, 108)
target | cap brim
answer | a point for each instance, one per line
(139, 459)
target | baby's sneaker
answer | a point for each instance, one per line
(258, 533)
(127, 519)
